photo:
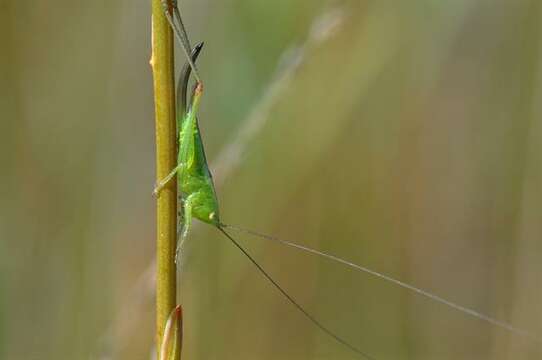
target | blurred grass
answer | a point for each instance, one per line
(408, 139)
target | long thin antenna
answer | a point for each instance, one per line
(471, 312)
(180, 33)
(293, 301)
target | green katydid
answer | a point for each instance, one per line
(199, 200)
(194, 178)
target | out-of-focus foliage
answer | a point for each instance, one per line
(402, 135)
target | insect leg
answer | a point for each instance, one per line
(179, 251)
(180, 34)
(187, 215)
(186, 222)
(166, 180)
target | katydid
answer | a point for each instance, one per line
(199, 200)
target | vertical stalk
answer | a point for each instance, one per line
(166, 157)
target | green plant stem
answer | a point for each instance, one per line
(166, 157)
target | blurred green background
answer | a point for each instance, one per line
(402, 135)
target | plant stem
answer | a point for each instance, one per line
(166, 156)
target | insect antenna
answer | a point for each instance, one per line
(291, 299)
(463, 309)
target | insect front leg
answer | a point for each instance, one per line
(187, 214)
(187, 221)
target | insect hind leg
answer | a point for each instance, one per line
(180, 33)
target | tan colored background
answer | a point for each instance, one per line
(405, 136)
